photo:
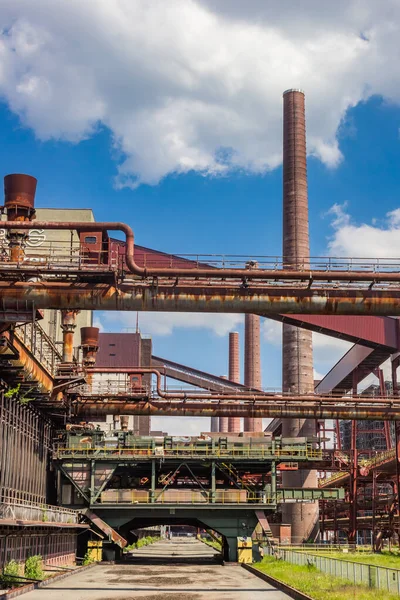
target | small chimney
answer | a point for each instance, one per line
(19, 203)
(89, 345)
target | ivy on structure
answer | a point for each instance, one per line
(15, 393)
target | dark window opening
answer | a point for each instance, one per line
(90, 239)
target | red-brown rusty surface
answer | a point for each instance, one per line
(252, 364)
(140, 296)
(19, 192)
(223, 423)
(32, 368)
(68, 325)
(234, 374)
(296, 246)
(90, 336)
(90, 408)
(89, 345)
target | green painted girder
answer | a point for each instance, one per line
(300, 494)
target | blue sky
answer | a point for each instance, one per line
(138, 119)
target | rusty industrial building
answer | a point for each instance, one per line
(80, 464)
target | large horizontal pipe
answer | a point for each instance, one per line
(140, 296)
(196, 272)
(168, 408)
(237, 395)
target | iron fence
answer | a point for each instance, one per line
(374, 576)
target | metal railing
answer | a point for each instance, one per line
(13, 509)
(60, 256)
(36, 340)
(185, 497)
(379, 459)
(72, 255)
(373, 576)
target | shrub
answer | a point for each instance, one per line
(87, 559)
(10, 573)
(33, 567)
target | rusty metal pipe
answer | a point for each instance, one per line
(148, 297)
(262, 410)
(68, 325)
(240, 396)
(248, 274)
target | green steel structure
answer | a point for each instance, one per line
(219, 483)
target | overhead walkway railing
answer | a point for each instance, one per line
(191, 451)
(14, 509)
(226, 497)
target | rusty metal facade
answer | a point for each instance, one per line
(252, 365)
(234, 375)
(297, 353)
(25, 442)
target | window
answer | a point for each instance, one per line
(90, 239)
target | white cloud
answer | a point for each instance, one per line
(328, 350)
(180, 425)
(380, 239)
(317, 376)
(157, 323)
(194, 84)
(271, 331)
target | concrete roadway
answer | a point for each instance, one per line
(177, 569)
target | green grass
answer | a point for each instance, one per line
(213, 543)
(145, 541)
(317, 585)
(384, 559)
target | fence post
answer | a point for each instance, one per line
(372, 576)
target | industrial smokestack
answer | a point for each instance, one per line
(297, 357)
(234, 375)
(252, 364)
(223, 421)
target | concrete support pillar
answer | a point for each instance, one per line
(214, 428)
(153, 481)
(297, 358)
(252, 364)
(234, 375)
(213, 483)
(229, 549)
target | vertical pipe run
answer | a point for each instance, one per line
(68, 326)
(297, 358)
(252, 364)
(234, 375)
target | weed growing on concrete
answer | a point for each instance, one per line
(33, 567)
